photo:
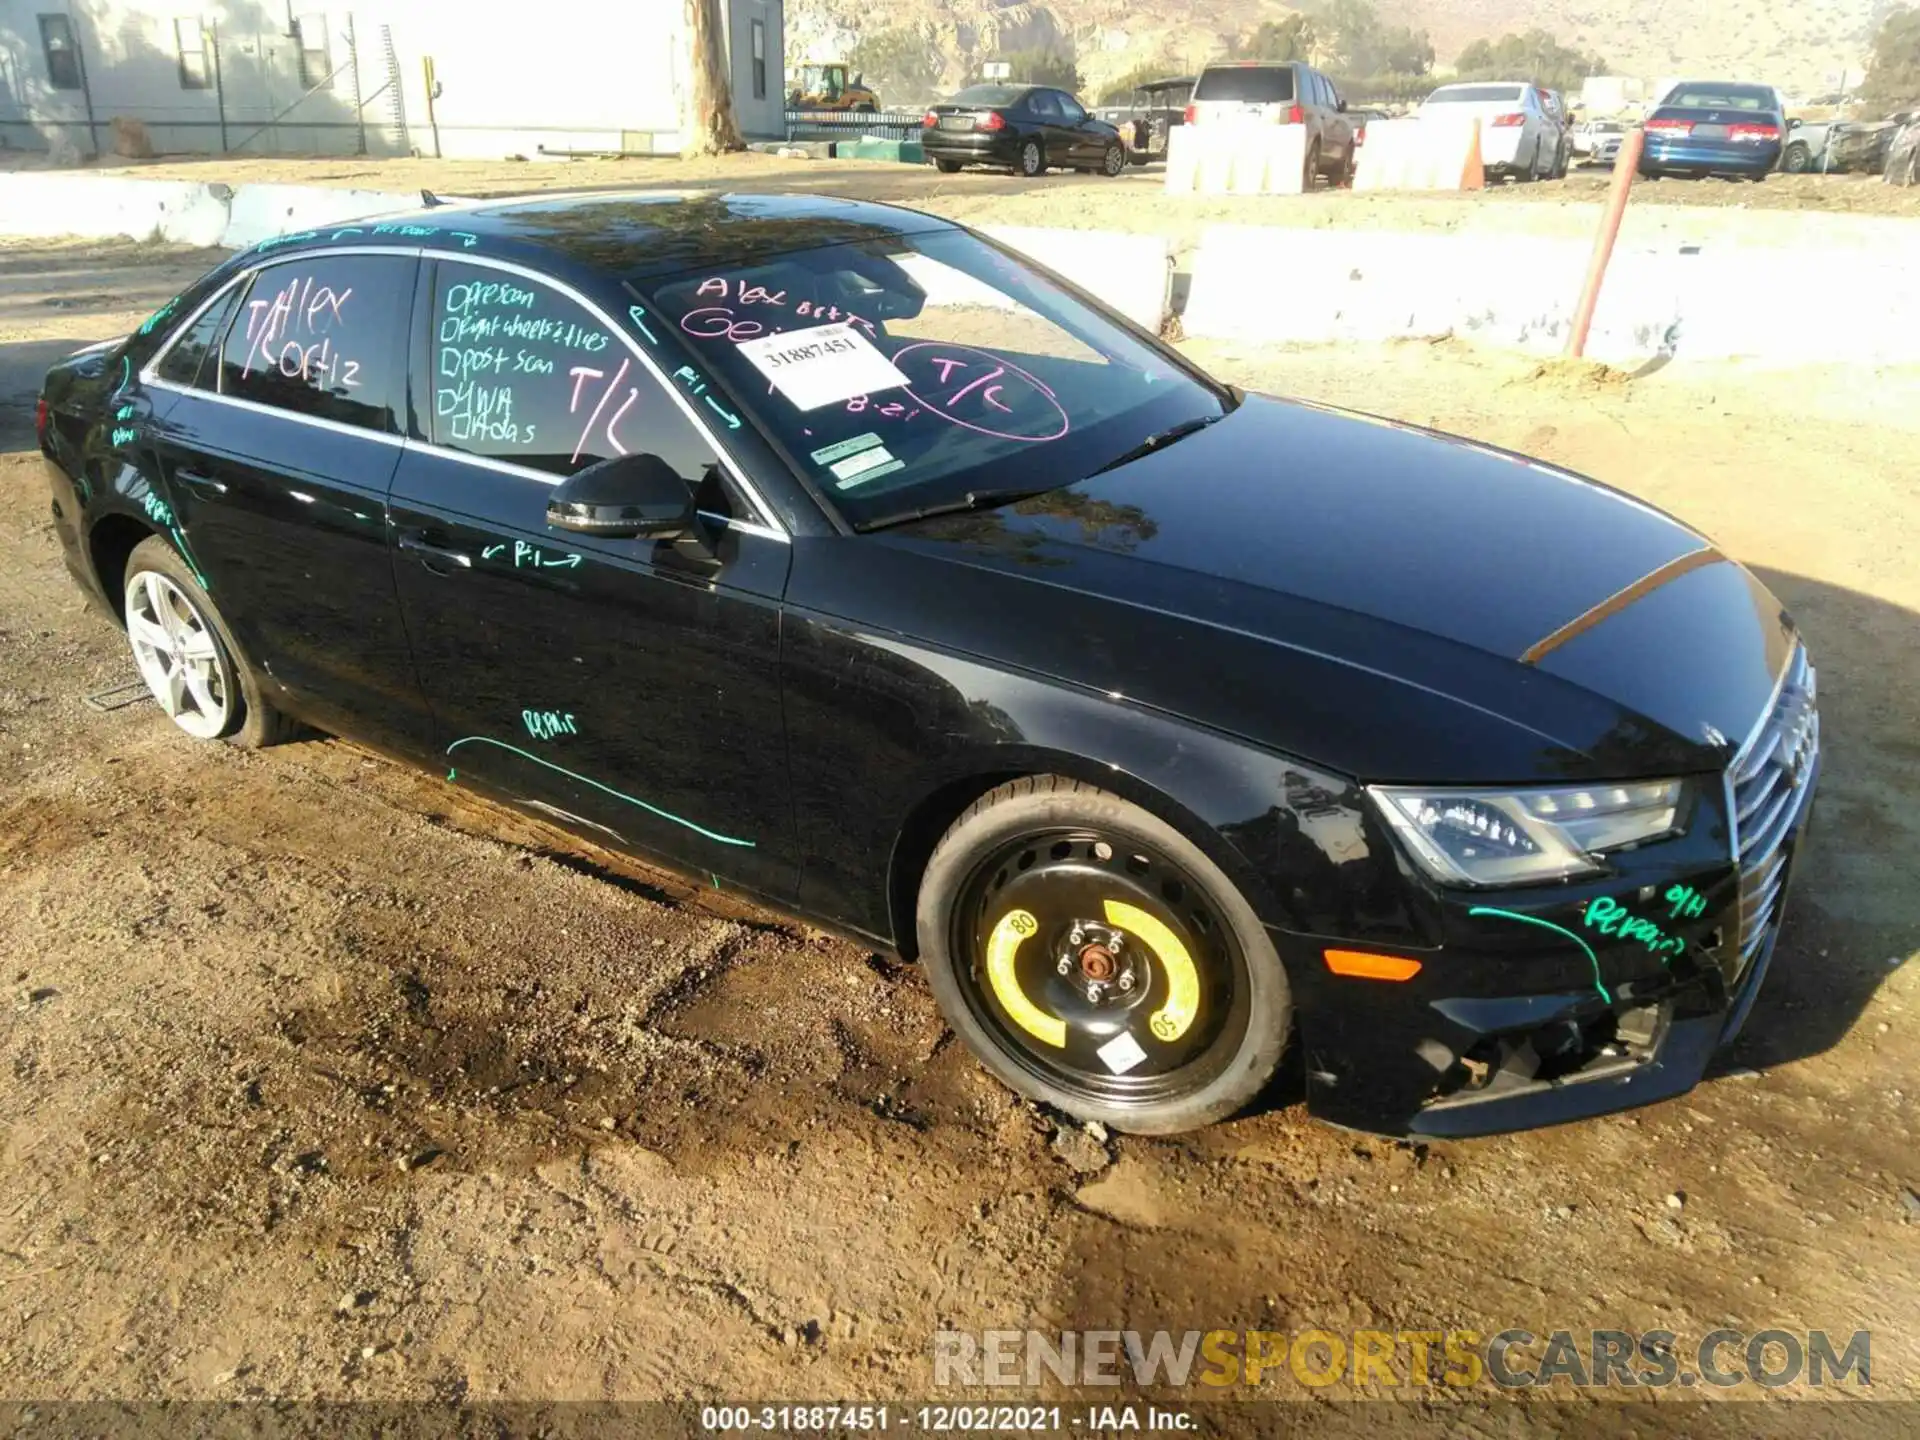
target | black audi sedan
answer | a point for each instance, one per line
(1023, 128)
(835, 554)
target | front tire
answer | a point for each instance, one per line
(187, 656)
(947, 167)
(1096, 960)
(1114, 161)
(1798, 159)
(1033, 160)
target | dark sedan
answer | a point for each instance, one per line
(1713, 128)
(834, 554)
(1023, 128)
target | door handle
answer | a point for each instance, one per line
(428, 554)
(199, 480)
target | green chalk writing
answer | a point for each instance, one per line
(1592, 959)
(1610, 917)
(548, 724)
(712, 835)
(1686, 901)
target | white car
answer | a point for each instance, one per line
(1598, 140)
(1518, 137)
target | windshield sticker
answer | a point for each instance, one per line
(822, 365)
(841, 449)
(867, 465)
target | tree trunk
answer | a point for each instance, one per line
(710, 127)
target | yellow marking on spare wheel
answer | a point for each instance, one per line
(1002, 947)
(1175, 1018)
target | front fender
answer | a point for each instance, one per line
(881, 728)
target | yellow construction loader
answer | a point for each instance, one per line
(826, 87)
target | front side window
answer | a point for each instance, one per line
(907, 372)
(324, 336)
(63, 55)
(523, 373)
(1069, 107)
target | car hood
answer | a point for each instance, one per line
(1415, 603)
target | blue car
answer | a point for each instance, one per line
(1710, 127)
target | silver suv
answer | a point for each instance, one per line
(1281, 93)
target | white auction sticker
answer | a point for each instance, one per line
(1121, 1053)
(819, 366)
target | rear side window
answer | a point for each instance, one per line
(1246, 84)
(324, 336)
(185, 361)
(526, 374)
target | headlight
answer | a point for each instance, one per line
(1513, 837)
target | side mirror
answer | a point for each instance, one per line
(626, 497)
(1793, 124)
(1343, 107)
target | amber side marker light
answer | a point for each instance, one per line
(1365, 966)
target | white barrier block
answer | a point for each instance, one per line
(1517, 291)
(40, 205)
(1131, 273)
(1415, 154)
(260, 212)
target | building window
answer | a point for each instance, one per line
(191, 42)
(63, 56)
(758, 30)
(316, 64)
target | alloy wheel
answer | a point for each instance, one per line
(179, 658)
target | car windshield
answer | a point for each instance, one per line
(902, 374)
(1455, 94)
(1721, 97)
(991, 95)
(1246, 84)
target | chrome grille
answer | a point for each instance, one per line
(1767, 789)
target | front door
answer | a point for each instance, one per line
(279, 431)
(629, 689)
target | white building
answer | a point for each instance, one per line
(270, 76)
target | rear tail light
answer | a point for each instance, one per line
(1295, 115)
(1507, 122)
(930, 122)
(41, 417)
(992, 120)
(1192, 114)
(1753, 134)
(1665, 129)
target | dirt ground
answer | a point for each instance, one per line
(319, 1078)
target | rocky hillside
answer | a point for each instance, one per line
(1799, 46)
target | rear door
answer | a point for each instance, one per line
(277, 455)
(627, 688)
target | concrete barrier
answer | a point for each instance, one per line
(41, 205)
(1132, 273)
(260, 212)
(1251, 159)
(1420, 155)
(1273, 284)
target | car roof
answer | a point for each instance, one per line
(639, 234)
